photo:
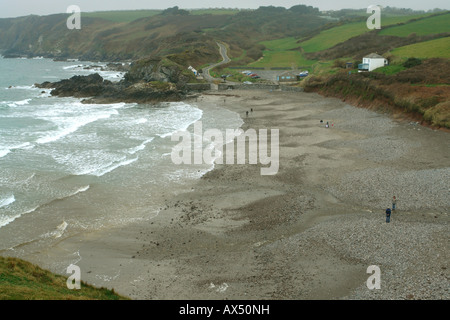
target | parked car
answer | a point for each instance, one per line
(304, 74)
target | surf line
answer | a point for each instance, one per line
(257, 141)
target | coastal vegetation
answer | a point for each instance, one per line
(21, 280)
(420, 92)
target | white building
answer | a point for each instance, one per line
(193, 70)
(372, 62)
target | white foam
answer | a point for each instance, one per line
(183, 126)
(13, 104)
(32, 87)
(58, 232)
(81, 190)
(70, 124)
(7, 201)
(5, 220)
(4, 152)
(109, 167)
(141, 121)
(73, 67)
(140, 147)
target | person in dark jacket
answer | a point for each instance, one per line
(388, 215)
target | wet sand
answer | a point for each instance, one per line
(308, 232)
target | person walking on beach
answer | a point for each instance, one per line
(388, 215)
(246, 113)
(394, 203)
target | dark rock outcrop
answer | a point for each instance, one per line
(148, 80)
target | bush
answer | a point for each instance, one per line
(339, 64)
(412, 62)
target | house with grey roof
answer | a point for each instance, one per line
(372, 62)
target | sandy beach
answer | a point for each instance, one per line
(308, 232)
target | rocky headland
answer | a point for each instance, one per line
(148, 80)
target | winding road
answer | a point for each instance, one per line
(226, 59)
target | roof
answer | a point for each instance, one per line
(374, 56)
(288, 73)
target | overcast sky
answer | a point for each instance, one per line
(15, 8)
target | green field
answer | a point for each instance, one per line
(439, 48)
(279, 54)
(282, 59)
(331, 37)
(281, 44)
(437, 24)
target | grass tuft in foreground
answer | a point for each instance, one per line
(21, 280)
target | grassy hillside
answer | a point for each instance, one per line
(122, 15)
(20, 280)
(282, 59)
(428, 49)
(132, 15)
(437, 24)
(331, 37)
(289, 51)
(330, 44)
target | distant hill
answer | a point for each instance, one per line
(130, 35)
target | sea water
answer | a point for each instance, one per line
(68, 167)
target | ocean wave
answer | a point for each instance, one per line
(140, 147)
(6, 150)
(81, 190)
(73, 66)
(58, 232)
(110, 167)
(32, 87)
(182, 125)
(70, 125)
(13, 104)
(5, 220)
(7, 201)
